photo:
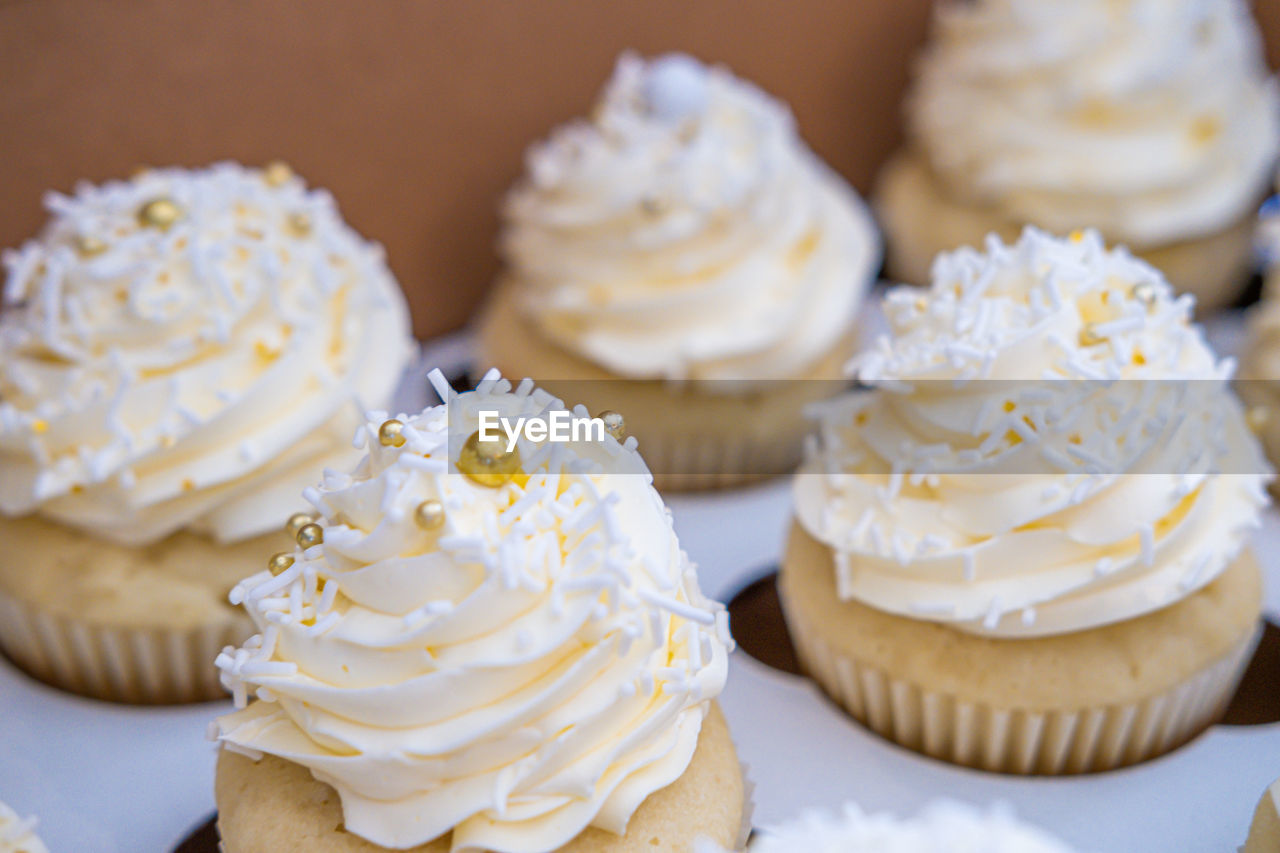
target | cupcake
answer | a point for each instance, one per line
(179, 354)
(1023, 548)
(944, 825)
(483, 650)
(18, 835)
(1154, 121)
(674, 258)
(1264, 834)
(1260, 366)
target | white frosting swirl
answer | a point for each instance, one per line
(1152, 120)
(192, 376)
(18, 835)
(1049, 446)
(944, 825)
(540, 664)
(687, 232)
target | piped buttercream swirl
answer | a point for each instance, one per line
(184, 349)
(539, 663)
(1048, 445)
(1153, 120)
(686, 232)
(18, 835)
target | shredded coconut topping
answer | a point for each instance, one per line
(1049, 444)
(539, 663)
(157, 371)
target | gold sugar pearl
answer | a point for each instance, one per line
(277, 173)
(614, 424)
(1257, 417)
(1089, 336)
(429, 515)
(391, 433)
(279, 563)
(87, 245)
(310, 535)
(296, 522)
(488, 463)
(159, 213)
(1144, 292)
(299, 224)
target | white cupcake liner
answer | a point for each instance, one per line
(714, 460)
(1015, 740)
(119, 664)
(748, 808)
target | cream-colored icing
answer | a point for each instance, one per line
(18, 835)
(540, 664)
(686, 232)
(1049, 445)
(1152, 120)
(195, 376)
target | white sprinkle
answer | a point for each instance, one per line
(900, 546)
(679, 608)
(487, 382)
(324, 624)
(440, 384)
(1147, 537)
(268, 669)
(994, 612)
(1193, 578)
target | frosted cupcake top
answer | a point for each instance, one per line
(1153, 120)
(685, 231)
(18, 835)
(1049, 445)
(184, 349)
(514, 661)
(951, 826)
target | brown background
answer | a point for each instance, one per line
(413, 112)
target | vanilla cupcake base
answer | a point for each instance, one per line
(920, 220)
(275, 806)
(1264, 832)
(690, 439)
(139, 625)
(1073, 703)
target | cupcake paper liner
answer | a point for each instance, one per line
(748, 808)
(119, 664)
(714, 460)
(1015, 740)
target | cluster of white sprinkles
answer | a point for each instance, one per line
(1133, 390)
(658, 113)
(132, 280)
(558, 536)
